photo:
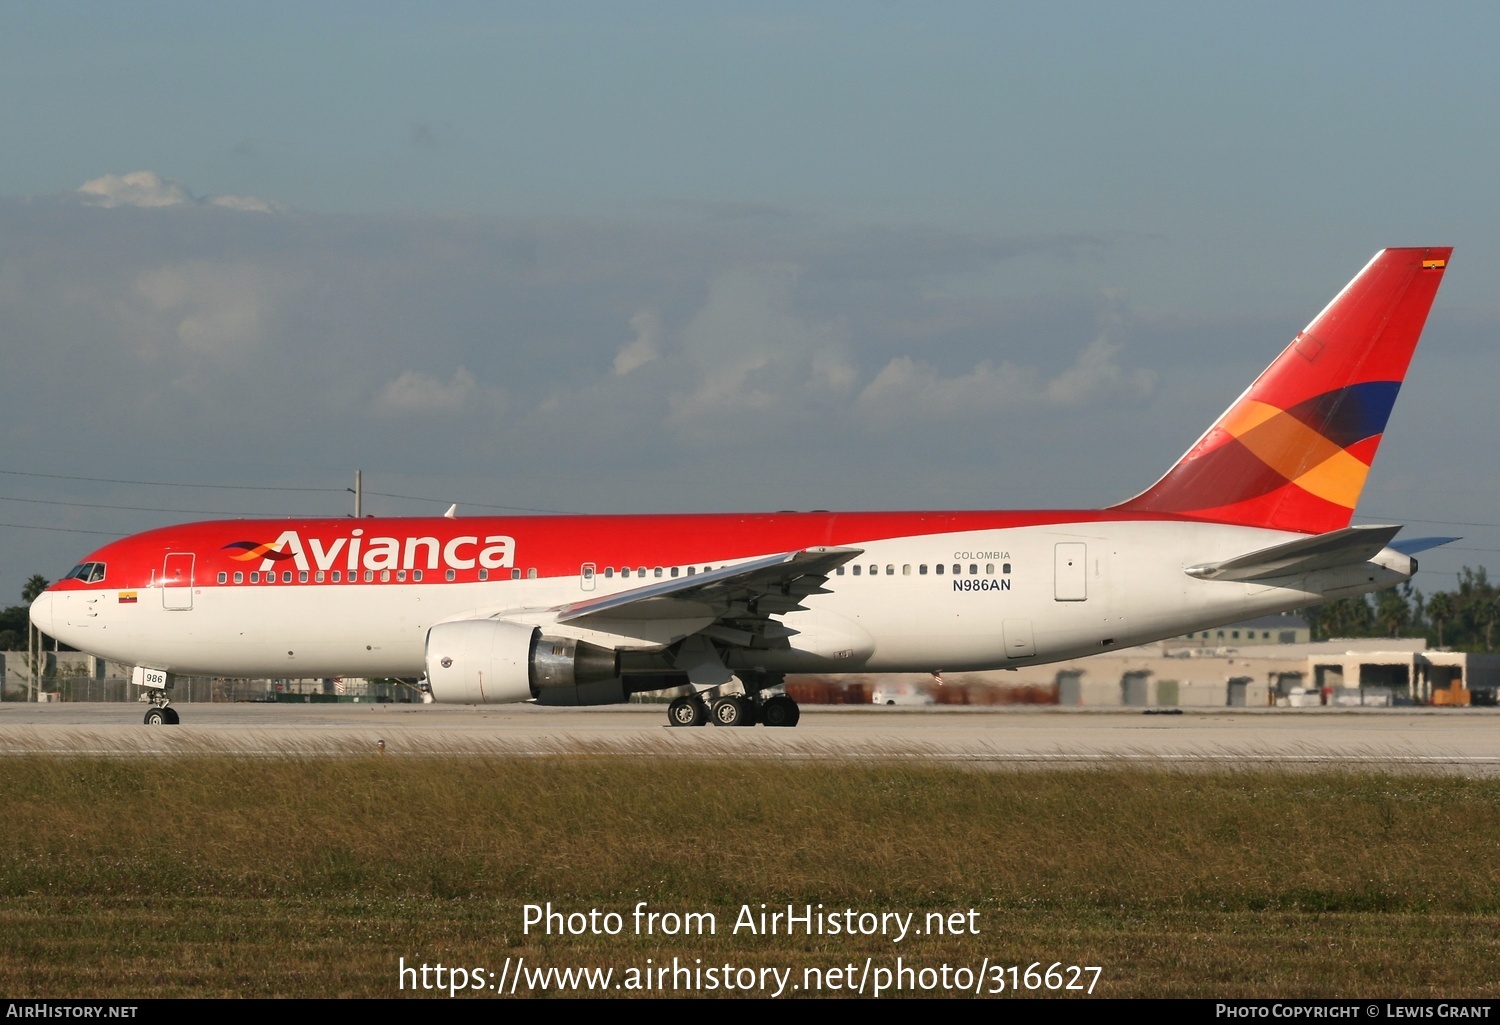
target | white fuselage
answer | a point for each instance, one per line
(971, 600)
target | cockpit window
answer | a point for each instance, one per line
(87, 573)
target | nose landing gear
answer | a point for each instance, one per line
(161, 715)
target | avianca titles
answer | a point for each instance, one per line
(1253, 519)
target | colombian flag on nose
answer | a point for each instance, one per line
(1293, 452)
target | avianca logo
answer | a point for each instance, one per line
(356, 551)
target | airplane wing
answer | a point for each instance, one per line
(750, 590)
(1346, 547)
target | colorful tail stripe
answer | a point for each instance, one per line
(1294, 451)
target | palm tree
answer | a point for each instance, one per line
(35, 586)
(1393, 612)
(1440, 611)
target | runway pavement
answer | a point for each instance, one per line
(1463, 741)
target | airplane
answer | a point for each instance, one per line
(588, 610)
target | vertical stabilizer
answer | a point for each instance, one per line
(1292, 452)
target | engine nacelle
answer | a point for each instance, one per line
(485, 662)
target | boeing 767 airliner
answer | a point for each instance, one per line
(586, 610)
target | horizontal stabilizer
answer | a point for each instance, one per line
(1413, 545)
(1347, 547)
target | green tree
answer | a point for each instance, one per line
(1440, 610)
(35, 586)
(1347, 617)
(1393, 610)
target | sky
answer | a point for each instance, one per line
(597, 257)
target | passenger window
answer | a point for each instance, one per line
(906, 570)
(318, 576)
(223, 578)
(400, 575)
(890, 570)
(531, 574)
(369, 576)
(286, 576)
(989, 569)
(973, 569)
(254, 576)
(449, 575)
(515, 574)
(957, 569)
(656, 572)
(874, 571)
(302, 576)
(839, 572)
(1005, 567)
(609, 572)
(856, 571)
(239, 577)
(938, 569)
(416, 575)
(922, 570)
(337, 576)
(484, 574)
(674, 571)
(693, 571)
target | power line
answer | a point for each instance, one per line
(169, 484)
(241, 487)
(476, 504)
(1441, 523)
(60, 530)
(139, 508)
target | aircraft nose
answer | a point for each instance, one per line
(41, 612)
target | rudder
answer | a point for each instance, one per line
(1293, 451)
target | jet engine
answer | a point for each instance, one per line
(485, 662)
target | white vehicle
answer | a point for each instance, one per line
(901, 694)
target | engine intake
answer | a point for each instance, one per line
(485, 662)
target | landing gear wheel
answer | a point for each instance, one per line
(156, 717)
(686, 711)
(732, 711)
(170, 715)
(780, 711)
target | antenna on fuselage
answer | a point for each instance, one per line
(452, 513)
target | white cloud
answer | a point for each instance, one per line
(750, 352)
(416, 392)
(149, 189)
(1096, 376)
(249, 204)
(211, 308)
(644, 348)
(907, 390)
(139, 188)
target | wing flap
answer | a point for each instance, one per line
(779, 579)
(1346, 547)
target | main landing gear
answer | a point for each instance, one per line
(733, 710)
